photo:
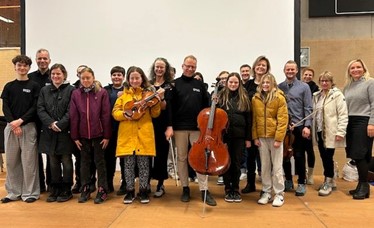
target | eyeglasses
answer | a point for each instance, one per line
(324, 81)
(189, 66)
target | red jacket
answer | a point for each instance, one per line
(90, 114)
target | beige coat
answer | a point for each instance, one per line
(335, 118)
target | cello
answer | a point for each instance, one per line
(209, 155)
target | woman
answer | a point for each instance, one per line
(261, 66)
(91, 131)
(136, 140)
(307, 77)
(234, 100)
(359, 94)
(270, 119)
(329, 126)
(160, 78)
(53, 112)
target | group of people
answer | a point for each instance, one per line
(136, 116)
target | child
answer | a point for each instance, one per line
(117, 76)
(136, 140)
(270, 119)
(19, 106)
(91, 131)
(234, 100)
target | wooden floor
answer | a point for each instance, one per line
(336, 210)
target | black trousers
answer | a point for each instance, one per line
(327, 156)
(231, 177)
(93, 148)
(299, 148)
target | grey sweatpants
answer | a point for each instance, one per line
(22, 180)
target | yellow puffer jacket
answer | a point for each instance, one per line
(269, 120)
(135, 136)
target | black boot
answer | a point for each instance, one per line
(85, 194)
(77, 187)
(363, 191)
(251, 186)
(66, 194)
(353, 191)
(54, 193)
(122, 189)
(110, 185)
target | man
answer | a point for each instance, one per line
(189, 97)
(19, 106)
(245, 73)
(41, 76)
(299, 101)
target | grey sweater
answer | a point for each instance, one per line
(360, 98)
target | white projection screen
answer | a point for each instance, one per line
(222, 34)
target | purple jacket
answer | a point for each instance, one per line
(90, 114)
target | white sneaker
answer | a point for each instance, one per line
(265, 198)
(220, 180)
(243, 176)
(278, 200)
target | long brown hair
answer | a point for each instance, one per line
(244, 103)
(145, 83)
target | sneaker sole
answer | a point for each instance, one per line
(322, 194)
(128, 201)
(159, 194)
(278, 205)
(262, 203)
(144, 201)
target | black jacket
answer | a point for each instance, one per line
(53, 105)
(240, 123)
(188, 97)
(313, 87)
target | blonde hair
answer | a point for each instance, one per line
(348, 77)
(270, 95)
(328, 76)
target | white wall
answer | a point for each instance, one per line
(222, 34)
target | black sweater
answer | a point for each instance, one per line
(188, 98)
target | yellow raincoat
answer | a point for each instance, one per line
(135, 136)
